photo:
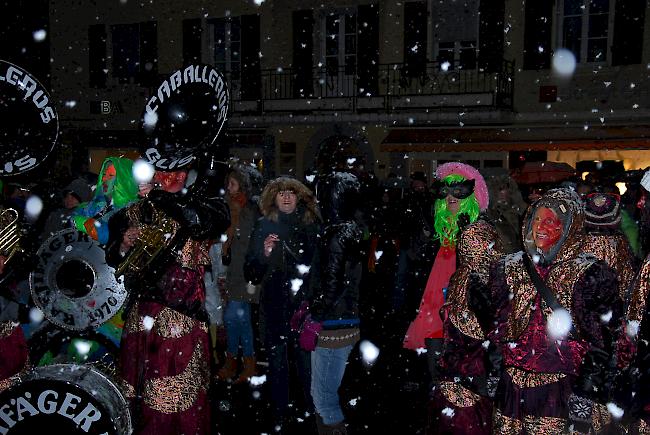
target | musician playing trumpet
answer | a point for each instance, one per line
(164, 351)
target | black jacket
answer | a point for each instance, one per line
(336, 276)
(277, 273)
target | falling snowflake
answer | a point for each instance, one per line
(142, 171)
(303, 269)
(605, 318)
(369, 352)
(39, 35)
(147, 322)
(615, 410)
(632, 328)
(82, 346)
(558, 324)
(36, 315)
(296, 283)
(33, 207)
(257, 380)
(448, 412)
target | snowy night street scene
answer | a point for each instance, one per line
(324, 217)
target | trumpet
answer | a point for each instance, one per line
(154, 238)
(9, 234)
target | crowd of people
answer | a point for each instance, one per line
(529, 305)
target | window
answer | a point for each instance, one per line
(227, 45)
(97, 56)
(454, 33)
(457, 55)
(126, 53)
(134, 53)
(340, 43)
(585, 28)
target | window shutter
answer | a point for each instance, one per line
(97, 56)
(191, 41)
(537, 34)
(250, 57)
(490, 54)
(303, 48)
(148, 53)
(627, 46)
(368, 48)
(415, 37)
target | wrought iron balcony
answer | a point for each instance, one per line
(384, 88)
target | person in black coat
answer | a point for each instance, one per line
(278, 258)
(332, 329)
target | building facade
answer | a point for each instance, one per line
(391, 86)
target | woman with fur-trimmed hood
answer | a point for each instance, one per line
(280, 251)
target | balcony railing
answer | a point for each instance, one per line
(385, 88)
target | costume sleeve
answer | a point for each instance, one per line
(489, 299)
(201, 216)
(597, 310)
(491, 304)
(255, 263)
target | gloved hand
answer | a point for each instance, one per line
(309, 334)
(580, 409)
(299, 316)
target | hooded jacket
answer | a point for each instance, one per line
(282, 275)
(337, 264)
(584, 286)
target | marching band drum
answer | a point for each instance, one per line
(70, 281)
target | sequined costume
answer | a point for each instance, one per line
(459, 403)
(164, 351)
(635, 393)
(541, 376)
(614, 250)
(15, 358)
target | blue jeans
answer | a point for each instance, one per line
(327, 369)
(239, 328)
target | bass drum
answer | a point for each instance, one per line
(72, 284)
(67, 399)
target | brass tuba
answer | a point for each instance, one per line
(154, 238)
(9, 234)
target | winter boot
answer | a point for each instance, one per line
(248, 371)
(229, 368)
(330, 429)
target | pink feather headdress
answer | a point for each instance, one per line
(469, 173)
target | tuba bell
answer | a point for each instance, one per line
(155, 237)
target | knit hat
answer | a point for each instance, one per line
(79, 189)
(602, 210)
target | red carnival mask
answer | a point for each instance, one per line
(171, 181)
(547, 228)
